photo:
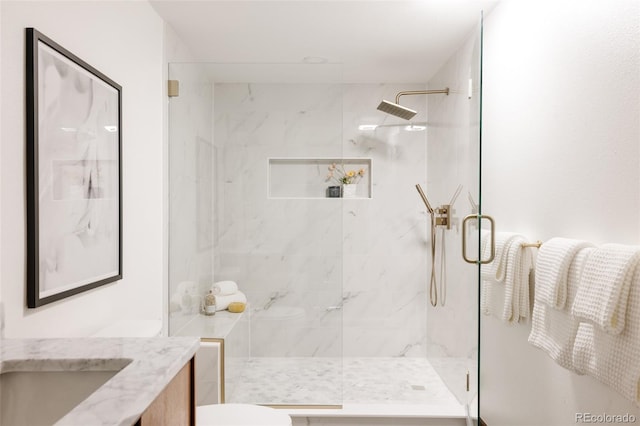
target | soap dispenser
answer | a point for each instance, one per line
(210, 304)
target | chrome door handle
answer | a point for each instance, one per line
(492, 255)
(333, 308)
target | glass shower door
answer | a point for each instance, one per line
(249, 150)
(453, 188)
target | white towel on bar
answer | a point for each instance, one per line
(492, 300)
(602, 297)
(552, 266)
(485, 289)
(497, 270)
(519, 264)
(505, 281)
(224, 288)
(554, 330)
(613, 359)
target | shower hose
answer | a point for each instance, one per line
(433, 285)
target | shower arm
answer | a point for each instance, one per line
(420, 92)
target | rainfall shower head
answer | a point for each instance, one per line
(404, 112)
(397, 110)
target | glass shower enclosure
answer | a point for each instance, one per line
(339, 308)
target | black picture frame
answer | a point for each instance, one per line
(74, 173)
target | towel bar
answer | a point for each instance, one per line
(537, 244)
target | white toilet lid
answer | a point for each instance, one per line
(240, 415)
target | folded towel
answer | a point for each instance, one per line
(222, 302)
(511, 267)
(552, 267)
(485, 289)
(613, 359)
(224, 288)
(518, 265)
(554, 330)
(493, 273)
(497, 270)
(603, 294)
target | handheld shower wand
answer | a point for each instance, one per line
(424, 199)
(433, 289)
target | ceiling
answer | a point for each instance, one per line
(383, 41)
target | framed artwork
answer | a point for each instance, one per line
(74, 173)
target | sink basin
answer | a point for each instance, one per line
(43, 395)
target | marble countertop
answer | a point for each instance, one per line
(122, 399)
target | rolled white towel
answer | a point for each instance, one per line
(224, 288)
(222, 302)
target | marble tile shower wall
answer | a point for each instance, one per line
(384, 239)
(303, 257)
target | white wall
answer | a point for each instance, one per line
(561, 135)
(124, 40)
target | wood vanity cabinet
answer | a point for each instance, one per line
(175, 406)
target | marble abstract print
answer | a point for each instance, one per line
(78, 175)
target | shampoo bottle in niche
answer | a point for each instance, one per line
(210, 304)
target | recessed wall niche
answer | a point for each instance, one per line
(307, 177)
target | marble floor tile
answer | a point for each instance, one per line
(336, 381)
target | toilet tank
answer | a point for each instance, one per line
(131, 328)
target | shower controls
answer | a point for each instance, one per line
(443, 216)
